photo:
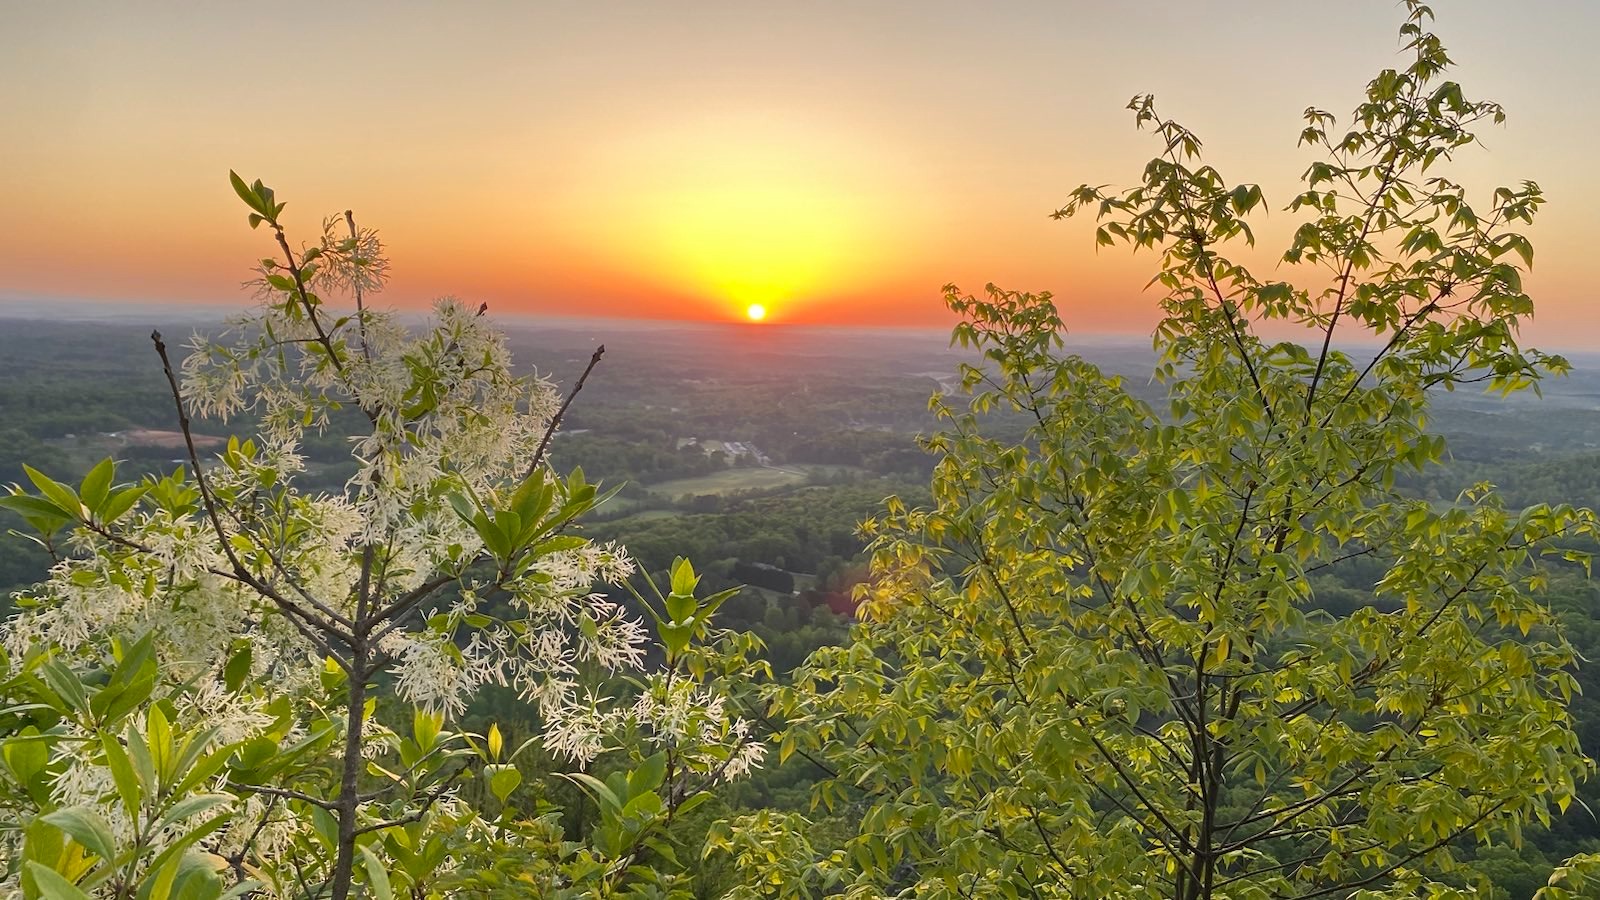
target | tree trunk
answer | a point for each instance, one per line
(349, 797)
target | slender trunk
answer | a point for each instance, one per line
(349, 798)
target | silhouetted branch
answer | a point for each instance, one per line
(555, 421)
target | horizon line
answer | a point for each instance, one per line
(15, 306)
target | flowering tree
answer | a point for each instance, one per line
(1096, 666)
(195, 689)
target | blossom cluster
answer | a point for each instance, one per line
(253, 589)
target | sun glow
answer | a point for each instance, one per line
(755, 312)
(741, 210)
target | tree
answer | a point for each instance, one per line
(190, 705)
(1093, 667)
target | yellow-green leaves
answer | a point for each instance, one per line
(87, 827)
(94, 502)
(630, 806)
(1117, 639)
(683, 617)
(525, 526)
(377, 875)
(52, 886)
(495, 741)
(262, 202)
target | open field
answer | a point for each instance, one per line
(646, 515)
(744, 479)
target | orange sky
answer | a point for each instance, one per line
(837, 162)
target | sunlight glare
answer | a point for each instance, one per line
(745, 208)
(755, 312)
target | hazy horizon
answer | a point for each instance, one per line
(169, 314)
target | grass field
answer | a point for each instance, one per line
(648, 515)
(730, 480)
(742, 479)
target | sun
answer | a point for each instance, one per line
(755, 312)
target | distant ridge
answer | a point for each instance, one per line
(111, 311)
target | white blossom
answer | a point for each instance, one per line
(746, 758)
(432, 672)
(579, 731)
(444, 419)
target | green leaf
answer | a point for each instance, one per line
(143, 763)
(87, 828)
(122, 774)
(711, 604)
(130, 686)
(35, 509)
(64, 682)
(169, 862)
(503, 779)
(120, 502)
(681, 607)
(509, 526)
(496, 541)
(57, 493)
(96, 484)
(558, 544)
(425, 728)
(192, 806)
(377, 876)
(692, 801)
(675, 638)
(245, 192)
(463, 506)
(52, 886)
(242, 889)
(238, 667)
(647, 776)
(608, 799)
(684, 579)
(163, 752)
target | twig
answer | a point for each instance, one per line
(236, 861)
(415, 815)
(555, 421)
(284, 793)
(208, 501)
(361, 309)
(305, 300)
(194, 456)
(288, 577)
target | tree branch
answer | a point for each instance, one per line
(555, 421)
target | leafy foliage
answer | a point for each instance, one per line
(199, 696)
(1095, 666)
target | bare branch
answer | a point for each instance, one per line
(555, 421)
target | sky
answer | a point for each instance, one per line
(836, 162)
